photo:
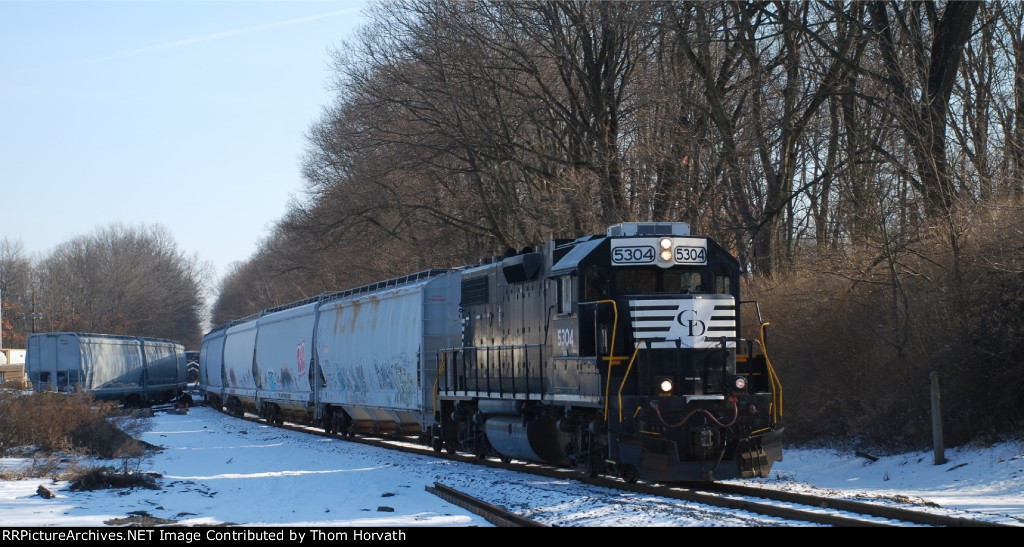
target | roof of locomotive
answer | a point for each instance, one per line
(582, 247)
(580, 250)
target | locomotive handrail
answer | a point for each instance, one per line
(775, 382)
(629, 369)
(612, 360)
(441, 369)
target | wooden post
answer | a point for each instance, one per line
(937, 443)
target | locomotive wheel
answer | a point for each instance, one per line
(436, 442)
(629, 473)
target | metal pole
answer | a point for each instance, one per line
(939, 446)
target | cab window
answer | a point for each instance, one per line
(634, 281)
(596, 285)
(683, 281)
(722, 281)
(565, 294)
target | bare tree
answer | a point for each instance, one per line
(972, 105)
(922, 49)
(1009, 105)
(15, 294)
(501, 120)
(124, 280)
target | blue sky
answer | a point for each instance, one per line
(186, 114)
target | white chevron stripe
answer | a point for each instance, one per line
(695, 322)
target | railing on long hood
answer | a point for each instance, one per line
(492, 370)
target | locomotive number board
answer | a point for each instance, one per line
(685, 250)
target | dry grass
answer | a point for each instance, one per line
(101, 478)
(857, 338)
(57, 433)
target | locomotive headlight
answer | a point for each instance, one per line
(666, 385)
(666, 249)
(740, 382)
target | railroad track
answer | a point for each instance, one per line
(873, 510)
(498, 516)
(790, 506)
(805, 507)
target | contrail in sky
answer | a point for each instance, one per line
(218, 35)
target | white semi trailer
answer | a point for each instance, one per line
(133, 369)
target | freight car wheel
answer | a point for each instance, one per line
(276, 417)
(271, 413)
(234, 407)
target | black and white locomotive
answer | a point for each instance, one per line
(613, 354)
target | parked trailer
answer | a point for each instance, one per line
(132, 369)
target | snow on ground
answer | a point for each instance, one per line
(218, 470)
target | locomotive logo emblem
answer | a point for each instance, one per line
(689, 321)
